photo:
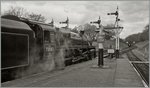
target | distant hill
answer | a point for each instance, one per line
(139, 37)
(144, 44)
(143, 48)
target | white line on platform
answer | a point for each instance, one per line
(139, 62)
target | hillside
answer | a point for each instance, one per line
(143, 49)
(139, 37)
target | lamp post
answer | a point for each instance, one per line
(100, 40)
(117, 31)
(82, 33)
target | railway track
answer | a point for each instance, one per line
(140, 66)
(143, 70)
(127, 49)
(132, 56)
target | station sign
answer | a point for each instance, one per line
(111, 51)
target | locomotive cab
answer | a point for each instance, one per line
(17, 43)
(48, 39)
(45, 35)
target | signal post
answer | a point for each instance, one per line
(100, 40)
(117, 31)
(65, 22)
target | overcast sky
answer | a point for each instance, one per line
(135, 14)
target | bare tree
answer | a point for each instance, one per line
(89, 32)
(75, 29)
(21, 12)
(109, 31)
(36, 17)
(16, 11)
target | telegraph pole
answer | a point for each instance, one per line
(117, 31)
(100, 41)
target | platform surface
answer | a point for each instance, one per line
(119, 73)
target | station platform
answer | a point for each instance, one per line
(118, 73)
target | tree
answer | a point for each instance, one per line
(89, 32)
(36, 17)
(146, 27)
(145, 34)
(21, 12)
(75, 29)
(16, 11)
(133, 37)
(109, 33)
(138, 37)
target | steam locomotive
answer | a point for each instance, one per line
(29, 44)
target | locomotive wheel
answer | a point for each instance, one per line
(87, 58)
(68, 62)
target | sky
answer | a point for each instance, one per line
(134, 15)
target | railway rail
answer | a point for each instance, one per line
(140, 66)
(127, 49)
(132, 56)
